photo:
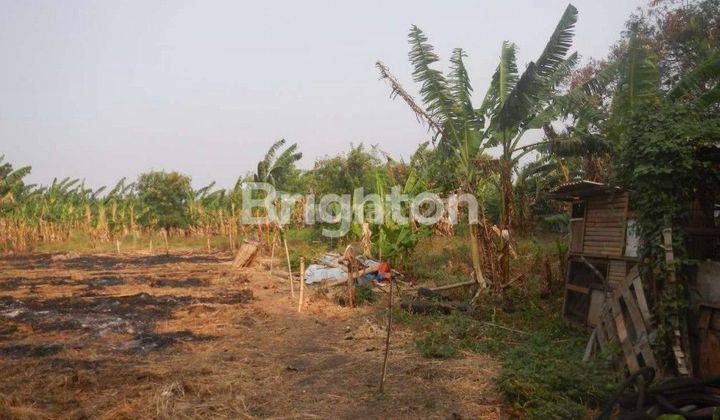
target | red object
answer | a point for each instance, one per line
(384, 271)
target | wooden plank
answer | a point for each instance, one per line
(600, 224)
(622, 334)
(681, 355)
(635, 316)
(602, 243)
(602, 246)
(597, 302)
(607, 252)
(576, 288)
(608, 229)
(604, 232)
(603, 257)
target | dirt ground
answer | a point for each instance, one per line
(187, 335)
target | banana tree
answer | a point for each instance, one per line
(516, 103)
(450, 115)
(513, 105)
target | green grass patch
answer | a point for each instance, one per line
(542, 373)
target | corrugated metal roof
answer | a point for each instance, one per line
(579, 189)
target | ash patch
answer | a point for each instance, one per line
(112, 262)
(10, 284)
(101, 314)
(145, 343)
(180, 283)
(29, 350)
(18, 282)
(102, 282)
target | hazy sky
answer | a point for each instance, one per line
(105, 89)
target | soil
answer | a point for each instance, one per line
(188, 335)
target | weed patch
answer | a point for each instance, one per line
(542, 373)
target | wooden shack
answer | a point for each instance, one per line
(602, 249)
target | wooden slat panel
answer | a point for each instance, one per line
(605, 225)
(617, 271)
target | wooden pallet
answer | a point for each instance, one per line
(625, 319)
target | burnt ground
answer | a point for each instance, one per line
(187, 335)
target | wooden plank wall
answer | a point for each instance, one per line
(605, 225)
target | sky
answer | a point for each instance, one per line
(100, 90)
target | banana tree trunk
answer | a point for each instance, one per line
(476, 256)
(506, 187)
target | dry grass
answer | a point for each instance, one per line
(204, 350)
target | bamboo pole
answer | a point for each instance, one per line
(287, 256)
(387, 341)
(302, 283)
(272, 252)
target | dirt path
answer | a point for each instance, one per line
(179, 336)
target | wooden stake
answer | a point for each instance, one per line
(207, 243)
(302, 283)
(167, 245)
(117, 245)
(151, 245)
(287, 256)
(682, 363)
(272, 253)
(387, 342)
(349, 259)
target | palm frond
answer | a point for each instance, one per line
(559, 44)
(270, 155)
(433, 86)
(461, 90)
(537, 83)
(503, 81)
